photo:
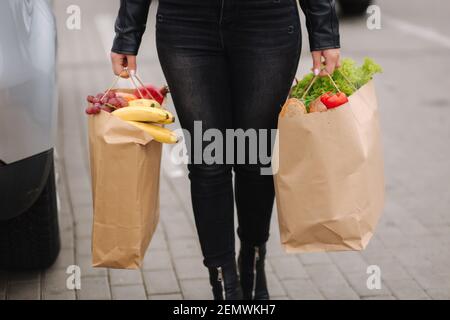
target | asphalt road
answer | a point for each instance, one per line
(411, 243)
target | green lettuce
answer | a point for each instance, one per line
(349, 78)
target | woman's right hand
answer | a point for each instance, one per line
(120, 61)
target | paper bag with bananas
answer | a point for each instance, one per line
(329, 177)
(125, 138)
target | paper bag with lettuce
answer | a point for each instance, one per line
(328, 163)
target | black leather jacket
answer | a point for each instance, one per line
(321, 21)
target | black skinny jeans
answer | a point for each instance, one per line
(229, 64)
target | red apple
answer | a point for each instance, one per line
(155, 93)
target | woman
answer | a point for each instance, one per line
(230, 64)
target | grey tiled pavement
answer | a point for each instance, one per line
(412, 240)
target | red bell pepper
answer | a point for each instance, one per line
(324, 98)
(334, 100)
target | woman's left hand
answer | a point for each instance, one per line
(331, 60)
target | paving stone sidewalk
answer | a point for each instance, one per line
(410, 246)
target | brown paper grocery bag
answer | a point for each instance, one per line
(125, 168)
(329, 175)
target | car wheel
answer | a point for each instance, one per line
(31, 240)
(354, 7)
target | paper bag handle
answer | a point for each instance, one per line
(313, 80)
(346, 79)
(131, 77)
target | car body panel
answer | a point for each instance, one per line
(22, 183)
(28, 95)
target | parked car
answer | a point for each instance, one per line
(29, 233)
(354, 7)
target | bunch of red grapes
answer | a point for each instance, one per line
(108, 103)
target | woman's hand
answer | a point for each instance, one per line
(120, 61)
(330, 60)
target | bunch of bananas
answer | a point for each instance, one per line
(142, 113)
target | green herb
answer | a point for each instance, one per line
(348, 72)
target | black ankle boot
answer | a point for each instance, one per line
(215, 285)
(225, 282)
(251, 271)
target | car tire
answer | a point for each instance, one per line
(354, 7)
(31, 240)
